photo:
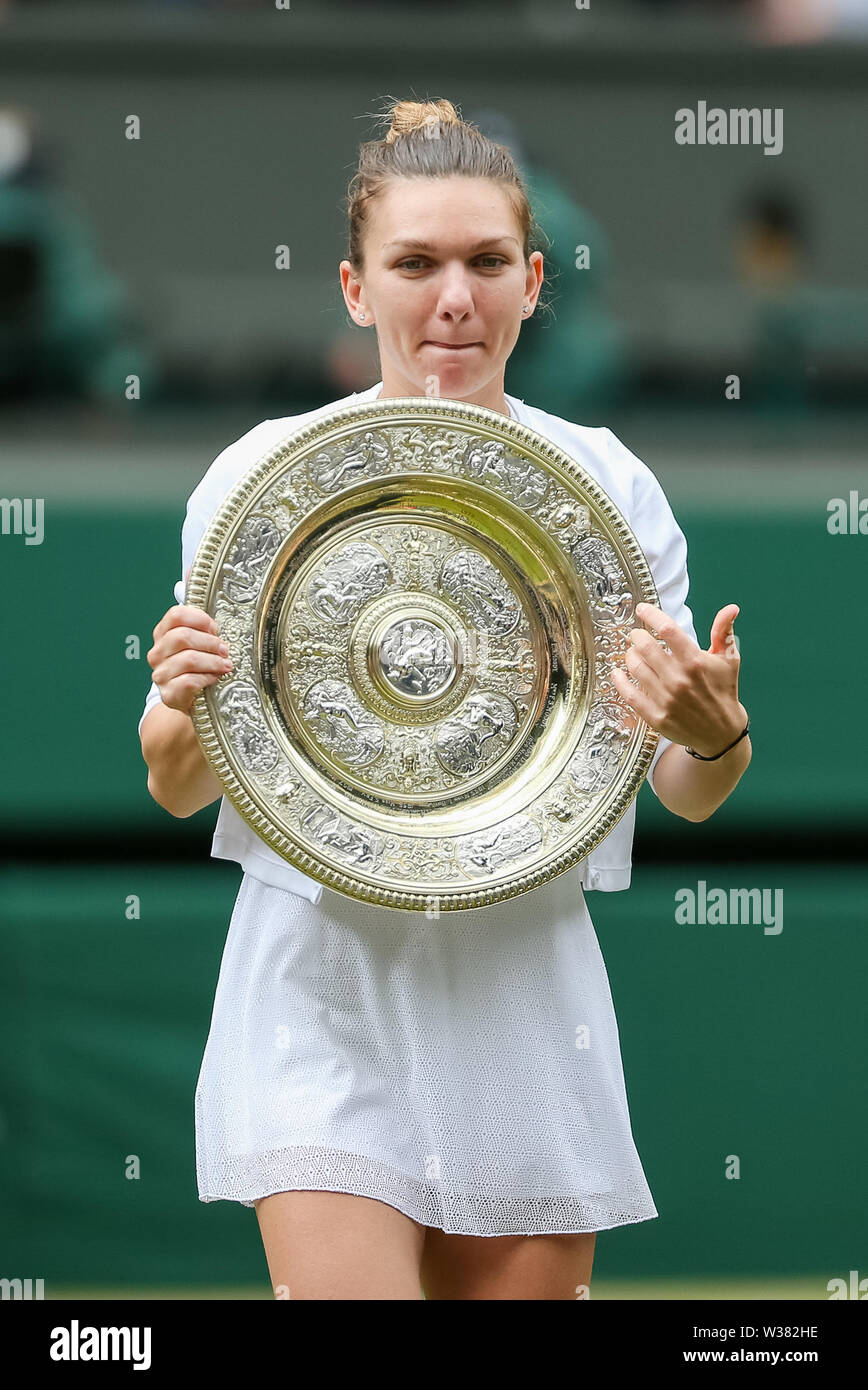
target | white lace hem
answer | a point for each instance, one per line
(321, 1169)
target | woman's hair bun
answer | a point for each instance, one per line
(408, 116)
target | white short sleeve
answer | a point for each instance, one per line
(664, 546)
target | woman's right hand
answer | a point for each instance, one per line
(187, 655)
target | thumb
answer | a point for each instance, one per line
(723, 632)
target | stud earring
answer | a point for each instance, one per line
(361, 316)
(526, 309)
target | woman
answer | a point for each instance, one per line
(411, 1104)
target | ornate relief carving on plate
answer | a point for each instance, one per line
(423, 601)
(457, 658)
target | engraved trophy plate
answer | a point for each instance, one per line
(422, 600)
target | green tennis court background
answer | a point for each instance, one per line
(735, 1041)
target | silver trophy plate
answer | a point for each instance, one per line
(423, 600)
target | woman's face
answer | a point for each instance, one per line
(443, 268)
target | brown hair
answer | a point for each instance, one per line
(428, 139)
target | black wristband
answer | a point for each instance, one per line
(715, 756)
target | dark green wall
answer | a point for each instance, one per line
(734, 1043)
(69, 747)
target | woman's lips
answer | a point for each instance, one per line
(451, 347)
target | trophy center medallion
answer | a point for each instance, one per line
(413, 657)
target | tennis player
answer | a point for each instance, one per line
(423, 1106)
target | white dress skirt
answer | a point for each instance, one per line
(466, 1068)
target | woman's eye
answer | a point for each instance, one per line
(412, 261)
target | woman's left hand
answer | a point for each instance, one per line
(687, 695)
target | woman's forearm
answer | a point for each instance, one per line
(180, 778)
(693, 789)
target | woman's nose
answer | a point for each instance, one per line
(456, 294)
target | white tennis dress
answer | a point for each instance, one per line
(466, 1068)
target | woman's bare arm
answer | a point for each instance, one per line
(694, 789)
(180, 778)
